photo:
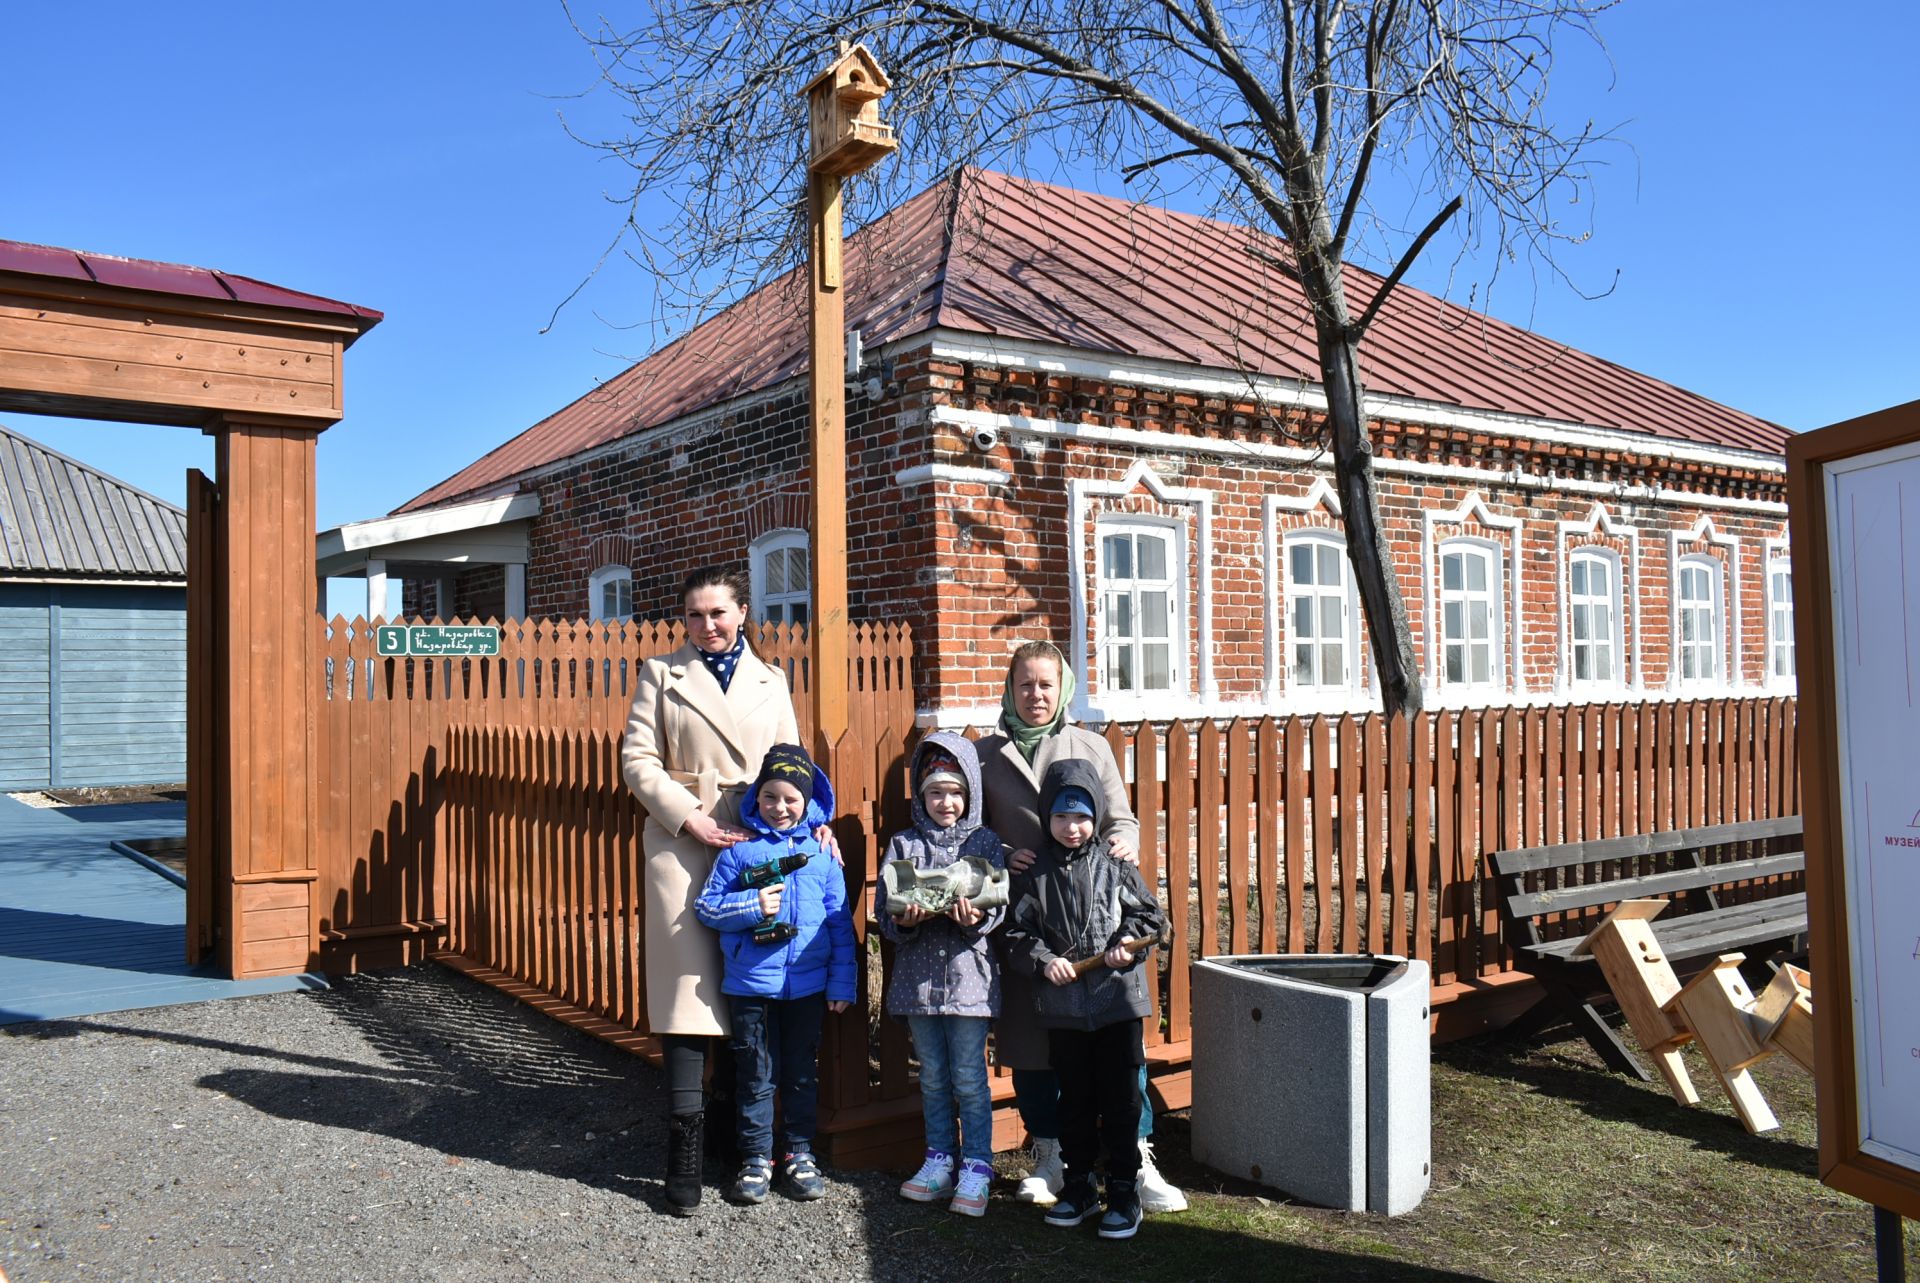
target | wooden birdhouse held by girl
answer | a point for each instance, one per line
(844, 103)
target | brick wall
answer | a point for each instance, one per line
(978, 567)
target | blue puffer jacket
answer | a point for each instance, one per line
(821, 957)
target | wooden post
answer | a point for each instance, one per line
(827, 457)
(264, 611)
(847, 139)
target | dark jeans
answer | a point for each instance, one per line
(1100, 1103)
(777, 1042)
(1036, 1093)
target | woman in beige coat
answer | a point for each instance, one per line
(702, 719)
(1034, 733)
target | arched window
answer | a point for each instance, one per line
(1470, 614)
(1698, 621)
(782, 577)
(1141, 607)
(610, 593)
(1593, 618)
(1780, 657)
(1321, 647)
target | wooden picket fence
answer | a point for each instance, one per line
(1288, 834)
(381, 740)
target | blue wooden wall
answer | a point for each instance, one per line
(93, 685)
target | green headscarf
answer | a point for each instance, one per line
(1027, 738)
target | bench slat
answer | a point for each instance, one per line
(1535, 858)
(1698, 934)
(1529, 904)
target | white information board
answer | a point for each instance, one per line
(1873, 552)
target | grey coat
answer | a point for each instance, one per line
(1013, 811)
(1077, 904)
(941, 968)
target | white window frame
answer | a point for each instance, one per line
(783, 540)
(597, 582)
(1173, 535)
(1780, 641)
(1716, 642)
(1613, 599)
(1349, 639)
(1496, 613)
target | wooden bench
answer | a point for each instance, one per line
(1551, 896)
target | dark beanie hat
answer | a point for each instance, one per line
(789, 764)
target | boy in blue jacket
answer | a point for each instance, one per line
(780, 985)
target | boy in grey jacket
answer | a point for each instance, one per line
(945, 981)
(1074, 906)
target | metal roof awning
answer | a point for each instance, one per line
(430, 543)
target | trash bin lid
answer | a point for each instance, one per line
(1352, 972)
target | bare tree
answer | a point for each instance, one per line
(1283, 114)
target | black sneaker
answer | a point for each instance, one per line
(751, 1185)
(1076, 1203)
(804, 1180)
(1122, 1217)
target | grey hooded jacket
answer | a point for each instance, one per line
(1077, 904)
(941, 968)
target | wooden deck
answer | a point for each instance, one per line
(84, 930)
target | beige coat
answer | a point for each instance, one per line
(691, 747)
(1012, 788)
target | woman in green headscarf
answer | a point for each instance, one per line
(1033, 734)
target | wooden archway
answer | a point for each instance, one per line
(258, 367)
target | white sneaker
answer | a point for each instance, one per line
(1156, 1195)
(933, 1181)
(970, 1194)
(1043, 1184)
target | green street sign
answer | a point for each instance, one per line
(395, 640)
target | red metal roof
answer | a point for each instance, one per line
(1012, 258)
(168, 278)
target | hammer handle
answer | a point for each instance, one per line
(1134, 945)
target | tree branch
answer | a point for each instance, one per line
(1358, 329)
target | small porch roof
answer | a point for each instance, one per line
(423, 545)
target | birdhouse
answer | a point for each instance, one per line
(844, 105)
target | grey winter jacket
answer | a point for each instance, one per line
(941, 968)
(1077, 904)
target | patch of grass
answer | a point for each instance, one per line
(1547, 1165)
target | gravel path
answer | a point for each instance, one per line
(406, 1124)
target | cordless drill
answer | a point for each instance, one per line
(771, 930)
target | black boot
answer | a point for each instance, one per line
(683, 1162)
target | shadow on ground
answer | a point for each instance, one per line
(1607, 1096)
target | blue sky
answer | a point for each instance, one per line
(410, 157)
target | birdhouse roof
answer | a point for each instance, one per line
(988, 254)
(857, 54)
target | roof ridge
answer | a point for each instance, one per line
(88, 468)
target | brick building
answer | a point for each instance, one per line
(1079, 418)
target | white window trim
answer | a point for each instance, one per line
(1279, 691)
(1497, 666)
(1626, 607)
(598, 580)
(1341, 694)
(1199, 598)
(1717, 575)
(1180, 591)
(1616, 643)
(1777, 552)
(1731, 680)
(1473, 508)
(757, 553)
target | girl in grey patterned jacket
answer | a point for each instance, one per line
(945, 982)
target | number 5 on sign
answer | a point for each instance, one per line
(390, 640)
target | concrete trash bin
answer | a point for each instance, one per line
(1311, 1075)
